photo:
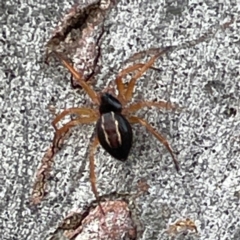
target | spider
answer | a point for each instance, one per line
(182, 226)
(113, 115)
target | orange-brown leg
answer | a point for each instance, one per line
(147, 65)
(137, 106)
(120, 85)
(163, 140)
(92, 94)
(121, 75)
(61, 132)
(93, 180)
(77, 111)
(43, 173)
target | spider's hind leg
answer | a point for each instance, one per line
(163, 140)
(93, 180)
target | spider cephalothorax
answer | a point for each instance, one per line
(113, 117)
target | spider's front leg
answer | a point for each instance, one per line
(163, 140)
(126, 95)
(121, 75)
(92, 94)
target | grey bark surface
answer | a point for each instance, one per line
(205, 134)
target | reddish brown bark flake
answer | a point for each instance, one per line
(78, 36)
(183, 226)
(115, 224)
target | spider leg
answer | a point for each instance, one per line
(121, 75)
(43, 173)
(61, 132)
(92, 94)
(77, 111)
(93, 181)
(163, 140)
(147, 65)
(139, 105)
(120, 85)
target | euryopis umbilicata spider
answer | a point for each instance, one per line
(113, 115)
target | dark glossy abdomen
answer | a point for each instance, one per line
(115, 135)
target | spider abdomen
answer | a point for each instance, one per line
(115, 134)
